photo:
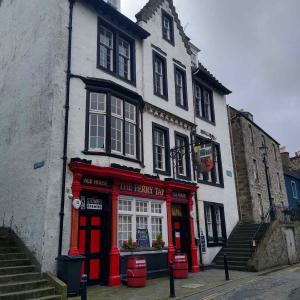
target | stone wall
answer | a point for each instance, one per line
(246, 150)
(272, 249)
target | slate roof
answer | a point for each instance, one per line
(150, 9)
(202, 73)
(105, 9)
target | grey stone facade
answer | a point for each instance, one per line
(249, 167)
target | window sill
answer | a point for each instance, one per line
(206, 120)
(161, 96)
(220, 185)
(166, 173)
(172, 42)
(182, 106)
(143, 251)
(88, 152)
(131, 82)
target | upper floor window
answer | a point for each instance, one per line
(251, 134)
(182, 155)
(211, 150)
(274, 151)
(294, 189)
(279, 182)
(116, 52)
(180, 88)
(255, 171)
(161, 149)
(263, 140)
(160, 75)
(167, 27)
(114, 126)
(204, 103)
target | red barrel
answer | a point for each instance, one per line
(136, 271)
(180, 266)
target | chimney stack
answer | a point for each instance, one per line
(285, 157)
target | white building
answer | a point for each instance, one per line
(90, 113)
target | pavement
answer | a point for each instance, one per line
(274, 284)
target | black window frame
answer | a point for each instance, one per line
(215, 145)
(156, 55)
(139, 127)
(165, 130)
(187, 156)
(212, 107)
(185, 98)
(164, 14)
(216, 242)
(117, 34)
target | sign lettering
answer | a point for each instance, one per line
(93, 181)
(143, 189)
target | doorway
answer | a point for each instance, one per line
(181, 230)
(290, 244)
(94, 236)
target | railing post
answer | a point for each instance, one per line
(172, 284)
(83, 287)
(226, 267)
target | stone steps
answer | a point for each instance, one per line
(23, 285)
(54, 297)
(9, 256)
(10, 249)
(15, 262)
(19, 277)
(17, 269)
(28, 294)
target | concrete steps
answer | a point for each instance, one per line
(239, 247)
(19, 278)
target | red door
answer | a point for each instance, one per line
(93, 235)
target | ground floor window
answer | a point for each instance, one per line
(139, 213)
(215, 223)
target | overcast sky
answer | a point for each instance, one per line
(253, 48)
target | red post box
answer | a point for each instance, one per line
(180, 266)
(136, 271)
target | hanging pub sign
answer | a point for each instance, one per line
(95, 181)
(203, 157)
(142, 189)
(142, 238)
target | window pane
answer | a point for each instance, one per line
(124, 229)
(116, 134)
(159, 150)
(116, 106)
(98, 102)
(130, 133)
(130, 114)
(124, 58)
(125, 205)
(181, 155)
(141, 206)
(106, 48)
(141, 222)
(210, 237)
(156, 208)
(97, 131)
(156, 227)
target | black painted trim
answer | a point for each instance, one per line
(116, 36)
(164, 14)
(167, 172)
(159, 50)
(187, 157)
(185, 98)
(165, 75)
(216, 242)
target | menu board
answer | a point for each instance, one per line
(142, 238)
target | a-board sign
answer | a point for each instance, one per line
(203, 242)
(142, 238)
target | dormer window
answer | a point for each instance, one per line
(167, 27)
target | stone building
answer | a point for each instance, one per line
(247, 138)
(91, 103)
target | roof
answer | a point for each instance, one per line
(240, 113)
(202, 73)
(150, 9)
(292, 173)
(106, 9)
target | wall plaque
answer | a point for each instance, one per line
(95, 181)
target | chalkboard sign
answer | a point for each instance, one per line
(142, 238)
(202, 241)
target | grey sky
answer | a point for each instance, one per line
(253, 48)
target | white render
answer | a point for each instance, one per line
(33, 61)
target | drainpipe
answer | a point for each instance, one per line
(198, 229)
(66, 127)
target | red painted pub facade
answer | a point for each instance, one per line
(94, 225)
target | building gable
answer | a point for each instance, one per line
(152, 6)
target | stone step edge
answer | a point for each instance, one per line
(19, 293)
(9, 284)
(16, 267)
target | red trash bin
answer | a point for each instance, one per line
(136, 271)
(180, 266)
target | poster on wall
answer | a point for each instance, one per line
(142, 238)
(202, 241)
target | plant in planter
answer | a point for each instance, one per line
(130, 245)
(158, 243)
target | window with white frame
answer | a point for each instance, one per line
(97, 121)
(210, 234)
(106, 48)
(180, 88)
(160, 75)
(182, 155)
(137, 213)
(124, 134)
(167, 27)
(159, 150)
(124, 59)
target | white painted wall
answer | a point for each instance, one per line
(32, 81)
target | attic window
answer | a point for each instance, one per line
(167, 27)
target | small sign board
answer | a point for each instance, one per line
(228, 173)
(142, 238)
(93, 204)
(38, 165)
(202, 241)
